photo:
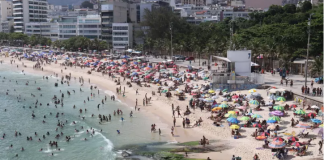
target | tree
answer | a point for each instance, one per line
(317, 67)
(305, 6)
(86, 4)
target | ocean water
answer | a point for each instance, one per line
(102, 145)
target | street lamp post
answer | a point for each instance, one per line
(171, 42)
(306, 65)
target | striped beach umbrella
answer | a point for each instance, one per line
(281, 99)
(252, 90)
(293, 139)
(277, 113)
(234, 126)
(271, 121)
(280, 108)
(256, 116)
(223, 106)
(233, 120)
(303, 125)
(276, 118)
(297, 144)
(300, 112)
(257, 125)
(245, 118)
(277, 144)
(278, 138)
(254, 102)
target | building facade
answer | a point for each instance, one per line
(122, 36)
(6, 10)
(67, 27)
(25, 11)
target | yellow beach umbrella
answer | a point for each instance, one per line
(230, 115)
(216, 108)
(234, 126)
(252, 90)
(211, 91)
(231, 112)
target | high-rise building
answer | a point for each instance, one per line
(25, 11)
(5, 10)
(122, 36)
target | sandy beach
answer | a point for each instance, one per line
(160, 106)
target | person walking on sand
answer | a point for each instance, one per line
(172, 128)
(159, 131)
(136, 91)
(174, 121)
(320, 143)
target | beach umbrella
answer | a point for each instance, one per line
(300, 112)
(256, 116)
(316, 121)
(216, 108)
(208, 100)
(211, 91)
(224, 90)
(315, 107)
(303, 125)
(281, 99)
(241, 107)
(256, 94)
(233, 120)
(272, 127)
(311, 114)
(277, 113)
(297, 144)
(214, 97)
(271, 121)
(257, 125)
(264, 134)
(293, 139)
(278, 138)
(280, 108)
(223, 106)
(250, 114)
(277, 144)
(245, 118)
(234, 126)
(231, 112)
(224, 102)
(261, 137)
(293, 105)
(276, 118)
(252, 90)
(254, 102)
(235, 96)
(230, 115)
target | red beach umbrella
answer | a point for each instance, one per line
(278, 139)
(311, 114)
(265, 134)
(297, 144)
(293, 139)
(257, 125)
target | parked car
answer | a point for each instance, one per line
(190, 58)
(179, 57)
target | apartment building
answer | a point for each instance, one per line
(25, 11)
(122, 36)
(43, 29)
(5, 10)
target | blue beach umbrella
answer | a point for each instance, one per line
(233, 120)
(271, 121)
(316, 121)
